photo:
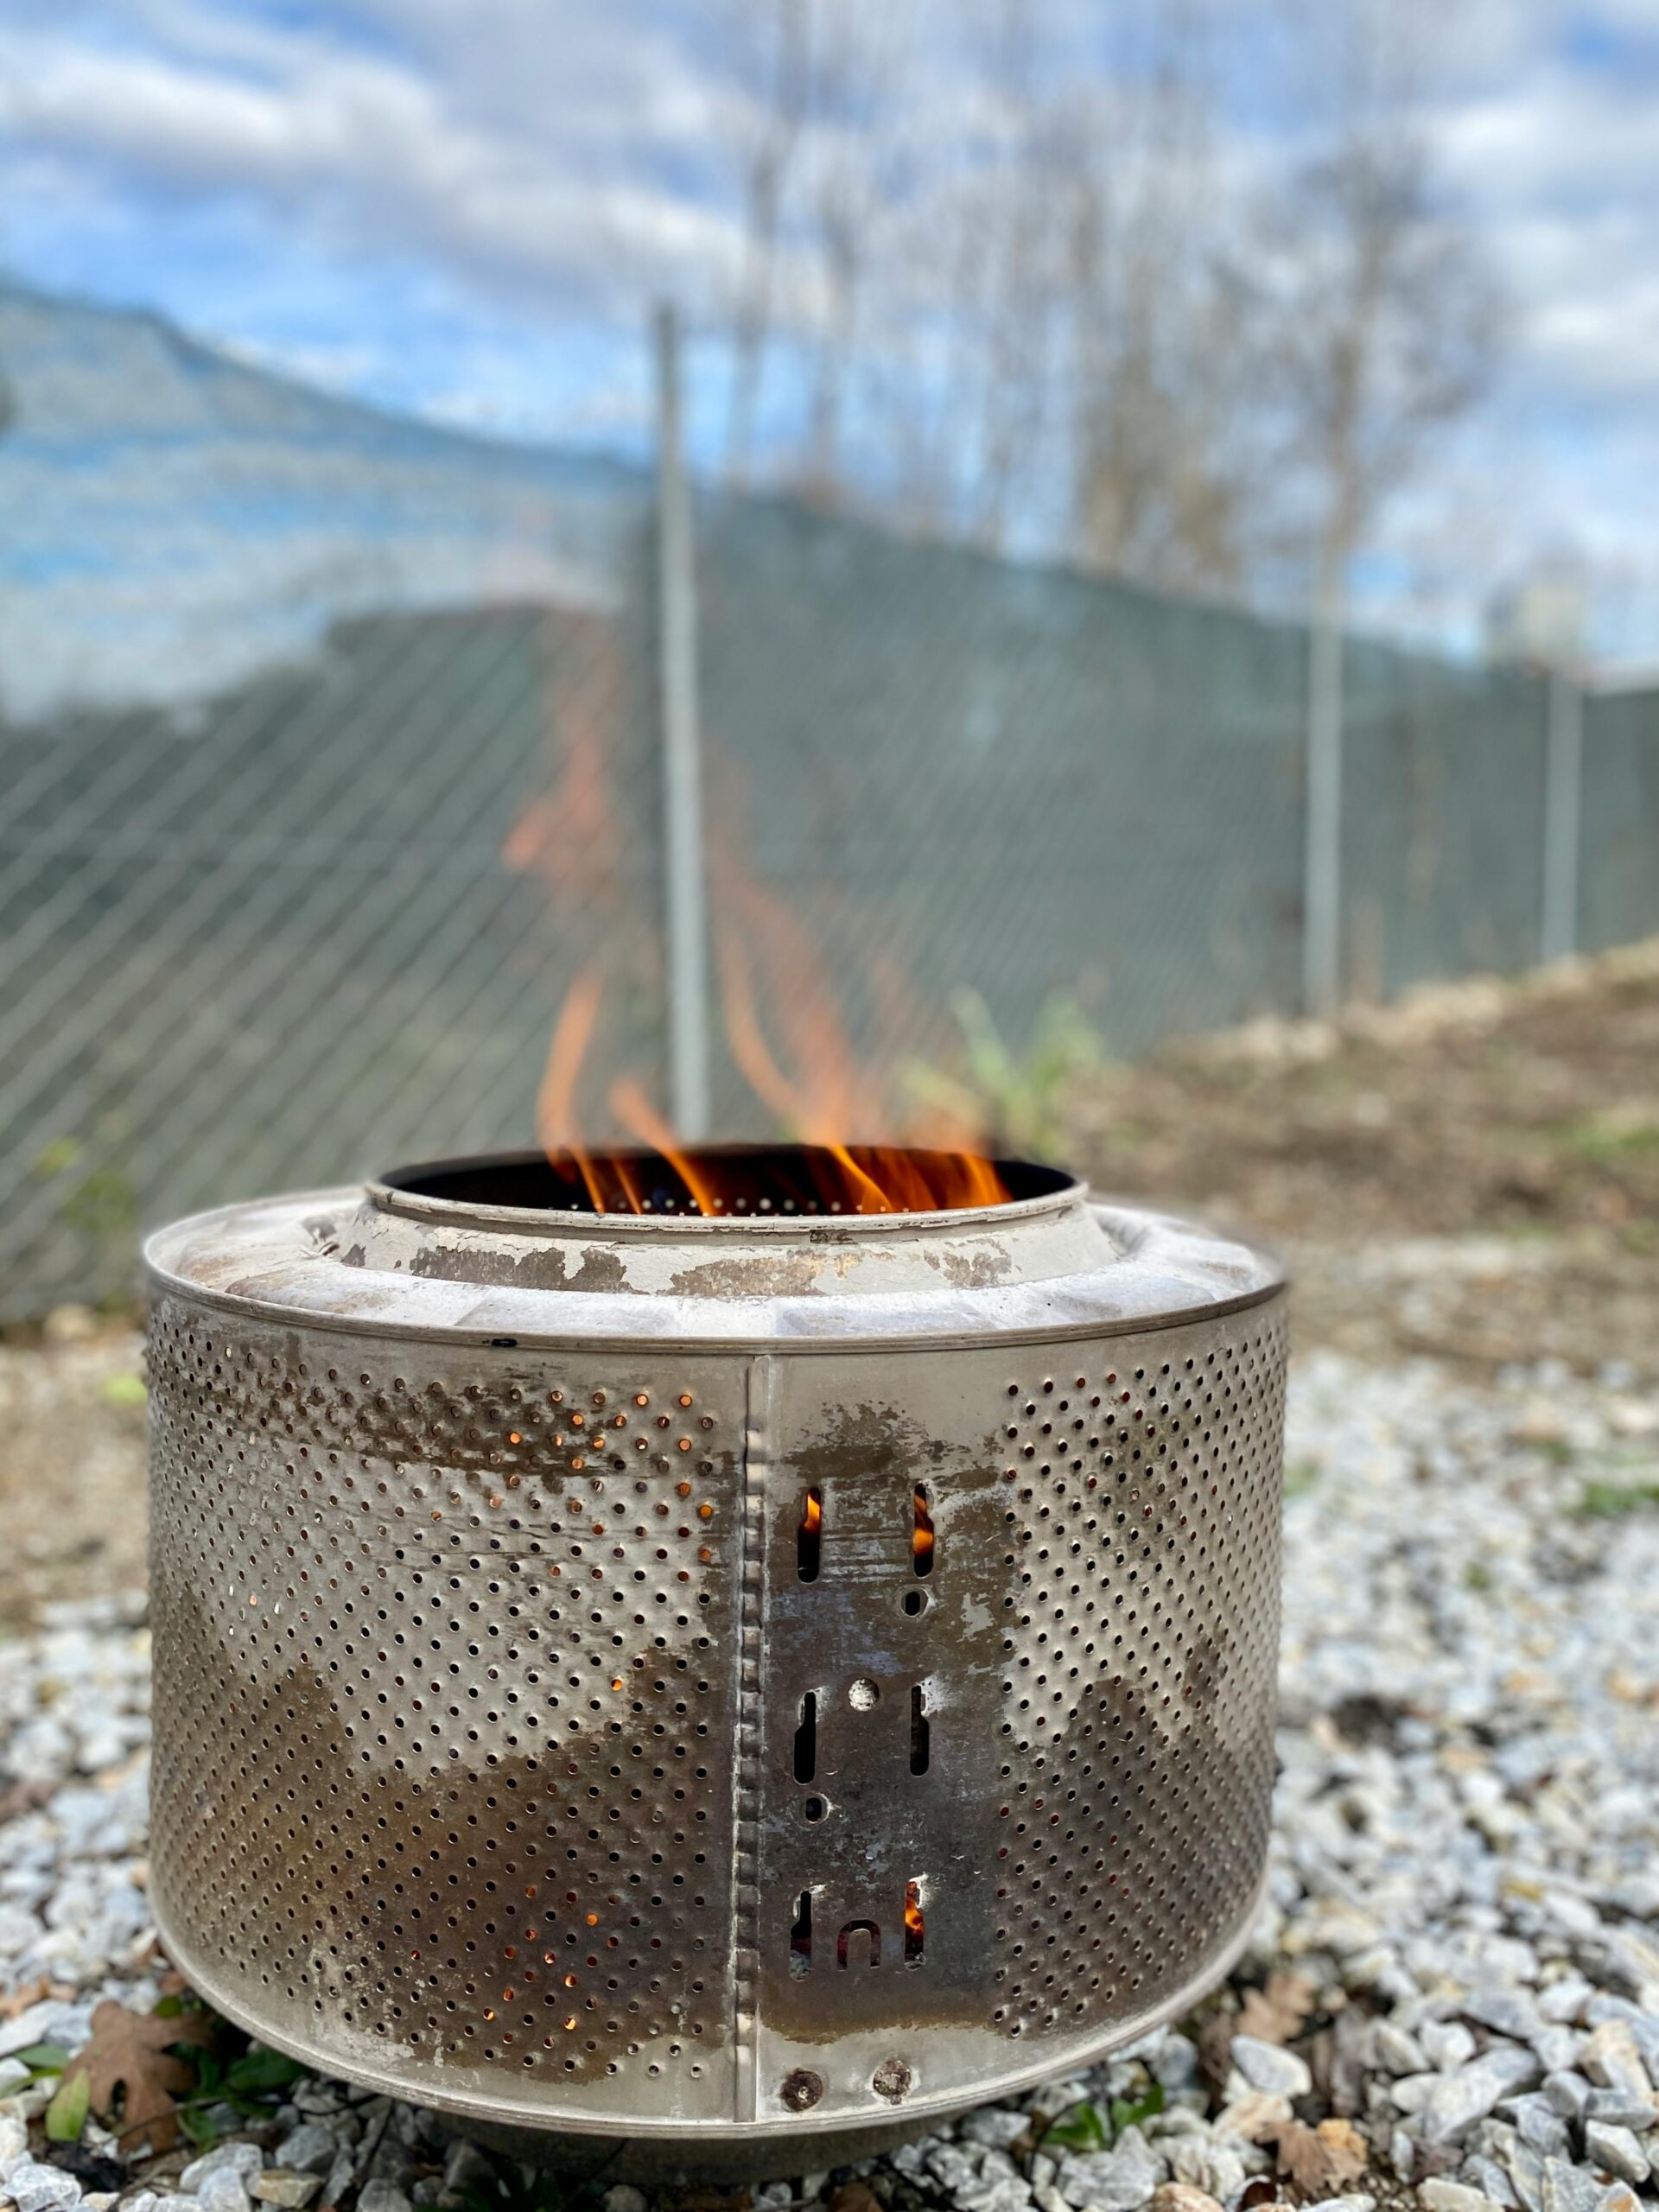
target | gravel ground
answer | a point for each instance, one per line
(1452, 1997)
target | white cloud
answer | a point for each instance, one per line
(513, 146)
(558, 163)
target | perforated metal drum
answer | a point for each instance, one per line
(742, 1685)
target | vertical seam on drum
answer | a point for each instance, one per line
(756, 1380)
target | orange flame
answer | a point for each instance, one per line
(637, 1114)
(555, 1122)
(784, 1023)
(915, 1928)
(921, 1541)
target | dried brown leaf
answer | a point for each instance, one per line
(855, 2196)
(1276, 2013)
(32, 1993)
(130, 2061)
(1320, 2161)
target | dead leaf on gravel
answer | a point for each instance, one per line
(855, 2196)
(130, 2061)
(24, 1797)
(1321, 2160)
(1276, 2013)
(1216, 2046)
(33, 1992)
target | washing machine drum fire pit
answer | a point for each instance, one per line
(749, 1685)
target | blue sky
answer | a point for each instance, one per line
(463, 207)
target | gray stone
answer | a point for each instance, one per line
(952, 2167)
(1216, 2168)
(1569, 2188)
(224, 2191)
(1411, 2092)
(1395, 2051)
(1526, 2172)
(997, 2166)
(625, 2198)
(280, 2186)
(1270, 2067)
(1562, 2002)
(36, 2188)
(1539, 2126)
(1555, 2049)
(1447, 2044)
(1618, 2197)
(1568, 2092)
(1621, 2108)
(241, 2160)
(465, 2166)
(1458, 2101)
(1175, 2062)
(13, 2143)
(309, 2150)
(316, 2096)
(1442, 2195)
(341, 2177)
(1491, 2179)
(382, 2196)
(1511, 2011)
(1618, 2150)
(1612, 2059)
(1004, 2193)
(1120, 2180)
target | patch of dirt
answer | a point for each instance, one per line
(71, 1470)
(1472, 1173)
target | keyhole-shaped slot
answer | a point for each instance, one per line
(806, 1739)
(872, 1956)
(921, 1536)
(919, 1731)
(800, 1935)
(915, 1930)
(809, 1538)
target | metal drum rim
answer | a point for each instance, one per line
(1173, 1272)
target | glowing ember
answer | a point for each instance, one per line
(921, 1542)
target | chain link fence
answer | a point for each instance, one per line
(323, 916)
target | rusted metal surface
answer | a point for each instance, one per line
(720, 1726)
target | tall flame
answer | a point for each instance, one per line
(784, 1020)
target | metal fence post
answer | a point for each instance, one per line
(685, 894)
(1322, 854)
(1563, 805)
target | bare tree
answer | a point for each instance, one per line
(1069, 301)
(1382, 314)
(773, 41)
(849, 183)
(1161, 456)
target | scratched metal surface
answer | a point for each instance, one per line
(708, 1743)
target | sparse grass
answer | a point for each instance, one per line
(1612, 1501)
(1612, 1135)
